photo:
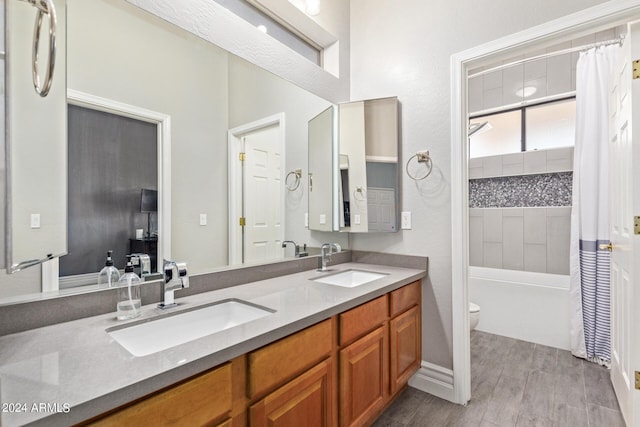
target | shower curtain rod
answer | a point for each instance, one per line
(619, 41)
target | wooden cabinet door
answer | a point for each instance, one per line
(305, 401)
(405, 347)
(364, 378)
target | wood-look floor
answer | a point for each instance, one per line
(516, 383)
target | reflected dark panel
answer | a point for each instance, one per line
(111, 159)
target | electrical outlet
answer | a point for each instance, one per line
(35, 220)
(406, 221)
(356, 219)
(203, 219)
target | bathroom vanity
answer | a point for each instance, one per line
(371, 350)
(332, 354)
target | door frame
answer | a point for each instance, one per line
(580, 23)
(50, 269)
(234, 142)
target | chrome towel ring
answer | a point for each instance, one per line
(45, 7)
(423, 157)
(295, 183)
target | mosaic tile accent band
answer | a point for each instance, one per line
(548, 189)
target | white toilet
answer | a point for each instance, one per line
(474, 315)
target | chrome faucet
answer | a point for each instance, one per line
(324, 256)
(175, 277)
(296, 247)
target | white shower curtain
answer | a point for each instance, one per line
(589, 266)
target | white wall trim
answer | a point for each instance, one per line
(234, 137)
(434, 379)
(611, 13)
(163, 122)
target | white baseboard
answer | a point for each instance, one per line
(434, 379)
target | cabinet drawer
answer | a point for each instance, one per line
(362, 319)
(200, 401)
(276, 363)
(405, 297)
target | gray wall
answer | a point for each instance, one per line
(111, 158)
(406, 51)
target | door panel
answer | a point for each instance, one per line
(263, 195)
(625, 200)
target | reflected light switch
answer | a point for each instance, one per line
(35, 220)
(406, 221)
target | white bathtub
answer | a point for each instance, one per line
(520, 304)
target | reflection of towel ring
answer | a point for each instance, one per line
(297, 175)
(423, 157)
(359, 190)
(44, 7)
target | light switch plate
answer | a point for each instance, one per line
(203, 219)
(323, 219)
(406, 221)
(306, 219)
(356, 219)
(35, 220)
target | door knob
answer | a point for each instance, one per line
(607, 246)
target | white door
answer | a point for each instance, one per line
(262, 195)
(625, 200)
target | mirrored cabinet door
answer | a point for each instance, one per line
(36, 137)
(322, 171)
(369, 189)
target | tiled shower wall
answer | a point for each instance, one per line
(521, 237)
(550, 76)
(528, 239)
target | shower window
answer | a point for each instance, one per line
(535, 127)
(501, 135)
(551, 125)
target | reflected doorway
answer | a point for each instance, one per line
(256, 159)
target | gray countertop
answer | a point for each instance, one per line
(65, 373)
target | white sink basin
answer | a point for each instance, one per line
(169, 331)
(350, 278)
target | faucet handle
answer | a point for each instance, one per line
(183, 274)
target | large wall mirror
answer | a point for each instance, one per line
(161, 109)
(361, 161)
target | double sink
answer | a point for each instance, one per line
(151, 336)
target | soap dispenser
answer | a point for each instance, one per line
(128, 294)
(109, 275)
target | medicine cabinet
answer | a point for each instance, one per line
(354, 182)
